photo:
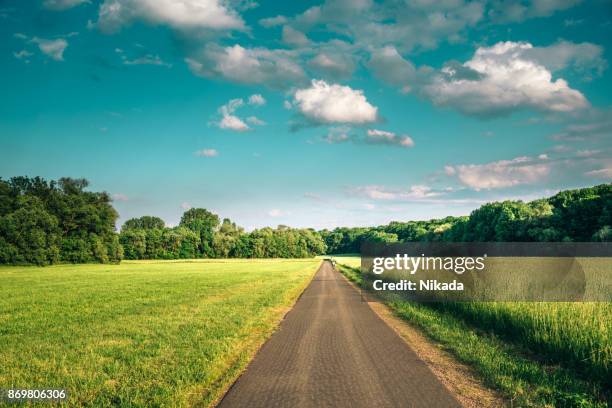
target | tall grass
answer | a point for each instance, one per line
(515, 344)
(575, 335)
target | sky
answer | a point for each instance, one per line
(308, 114)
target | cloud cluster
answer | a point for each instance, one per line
(53, 48)
(500, 174)
(230, 121)
(325, 103)
(179, 14)
(376, 136)
(272, 68)
(501, 79)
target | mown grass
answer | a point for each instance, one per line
(141, 333)
(537, 354)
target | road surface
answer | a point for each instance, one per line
(332, 350)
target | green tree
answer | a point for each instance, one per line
(204, 224)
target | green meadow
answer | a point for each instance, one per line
(143, 333)
(541, 354)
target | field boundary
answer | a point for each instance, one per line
(222, 392)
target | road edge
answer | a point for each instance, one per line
(458, 378)
(224, 391)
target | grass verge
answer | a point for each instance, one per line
(507, 366)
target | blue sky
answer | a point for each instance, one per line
(306, 113)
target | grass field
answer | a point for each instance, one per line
(537, 354)
(150, 333)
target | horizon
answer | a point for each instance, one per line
(311, 115)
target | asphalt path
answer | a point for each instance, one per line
(332, 350)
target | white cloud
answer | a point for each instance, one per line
(148, 59)
(254, 120)
(273, 21)
(515, 11)
(273, 68)
(605, 173)
(52, 48)
(338, 134)
(388, 65)
(257, 100)
(381, 193)
(500, 174)
(376, 136)
(293, 37)
(333, 103)
(232, 122)
(23, 54)
(185, 205)
(336, 65)
(207, 153)
(178, 14)
(583, 57)
(501, 79)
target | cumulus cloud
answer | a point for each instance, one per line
(207, 153)
(257, 100)
(376, 136)
(294, 38)
(332, 65)
(388, 65)
(230, 121)
(586, 58)
(273, 68)
(409, 25)
(273, 21)
(332, 103)
(53, 48)
(59, 5)
(178, 14)
(514, 11)
(500, 174)
(501, 79)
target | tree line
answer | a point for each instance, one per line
(45, 222)
(580, 215)
(201, 234)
